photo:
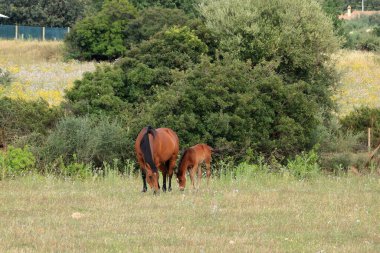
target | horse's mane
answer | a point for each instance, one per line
(145, 148)
(181, 159)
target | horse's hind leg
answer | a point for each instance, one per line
(164, 173)
(171, 165)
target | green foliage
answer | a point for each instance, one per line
(5, 77)
(19, 118)
(304, 165)
(87, 141)
(333, 8)
(229, 104)
(152, 20)
(101, 36)
(359, 120)
(175, 48)
(16, 161)
(97, 92)
(296, 34)
(363, 33)
(59, 13)
(75, 169)
(134, 79)
(187, 5)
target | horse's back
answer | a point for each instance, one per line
(201, 151)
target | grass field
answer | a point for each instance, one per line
(262, 214)
(360, 80)
(38, 70)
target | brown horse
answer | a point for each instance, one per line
(191, 159)
(156, 148)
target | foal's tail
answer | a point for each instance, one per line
(146, 148)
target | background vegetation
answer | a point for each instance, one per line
(280, 107)
(244, 84)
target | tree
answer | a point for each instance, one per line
(294, 33)
(187, 5)
(101, 37)
(57, 13)
(135, 78)
(155, 19)
(229, 104)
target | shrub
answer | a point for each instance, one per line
(304, 165)
(74, 169)
(228, 104)
(102, 36)
(86, 141)
(16, 161)
(135, 79)
(153, 20)
(359, 120)
(19, 118)
(97, 92)
(175, 48)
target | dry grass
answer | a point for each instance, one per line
(38, 70)
(360, 80)
(263, 214)
(28, 52)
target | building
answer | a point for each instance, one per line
(349, 15)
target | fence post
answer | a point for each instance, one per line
(369, 140)
(43, 33)
(16, 32)
(68, 29)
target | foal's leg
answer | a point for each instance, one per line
(208, 170)
(199, 174)
(192, 174)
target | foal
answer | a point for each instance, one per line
(191, 159)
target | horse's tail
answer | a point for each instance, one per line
(146, 149)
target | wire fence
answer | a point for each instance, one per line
(32, 32)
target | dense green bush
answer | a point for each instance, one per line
(229, 104)
(87, 141)
(153, 20)
(16, 161)
(57, 13)
(187, 5)
(97, 92)
(175, 48)
(362, 33)
(114, 89)
(101, 36)
(359, 120)
(19, 118)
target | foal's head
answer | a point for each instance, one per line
(182, 167)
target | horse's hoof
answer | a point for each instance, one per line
(144, 190)
(170, 189)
